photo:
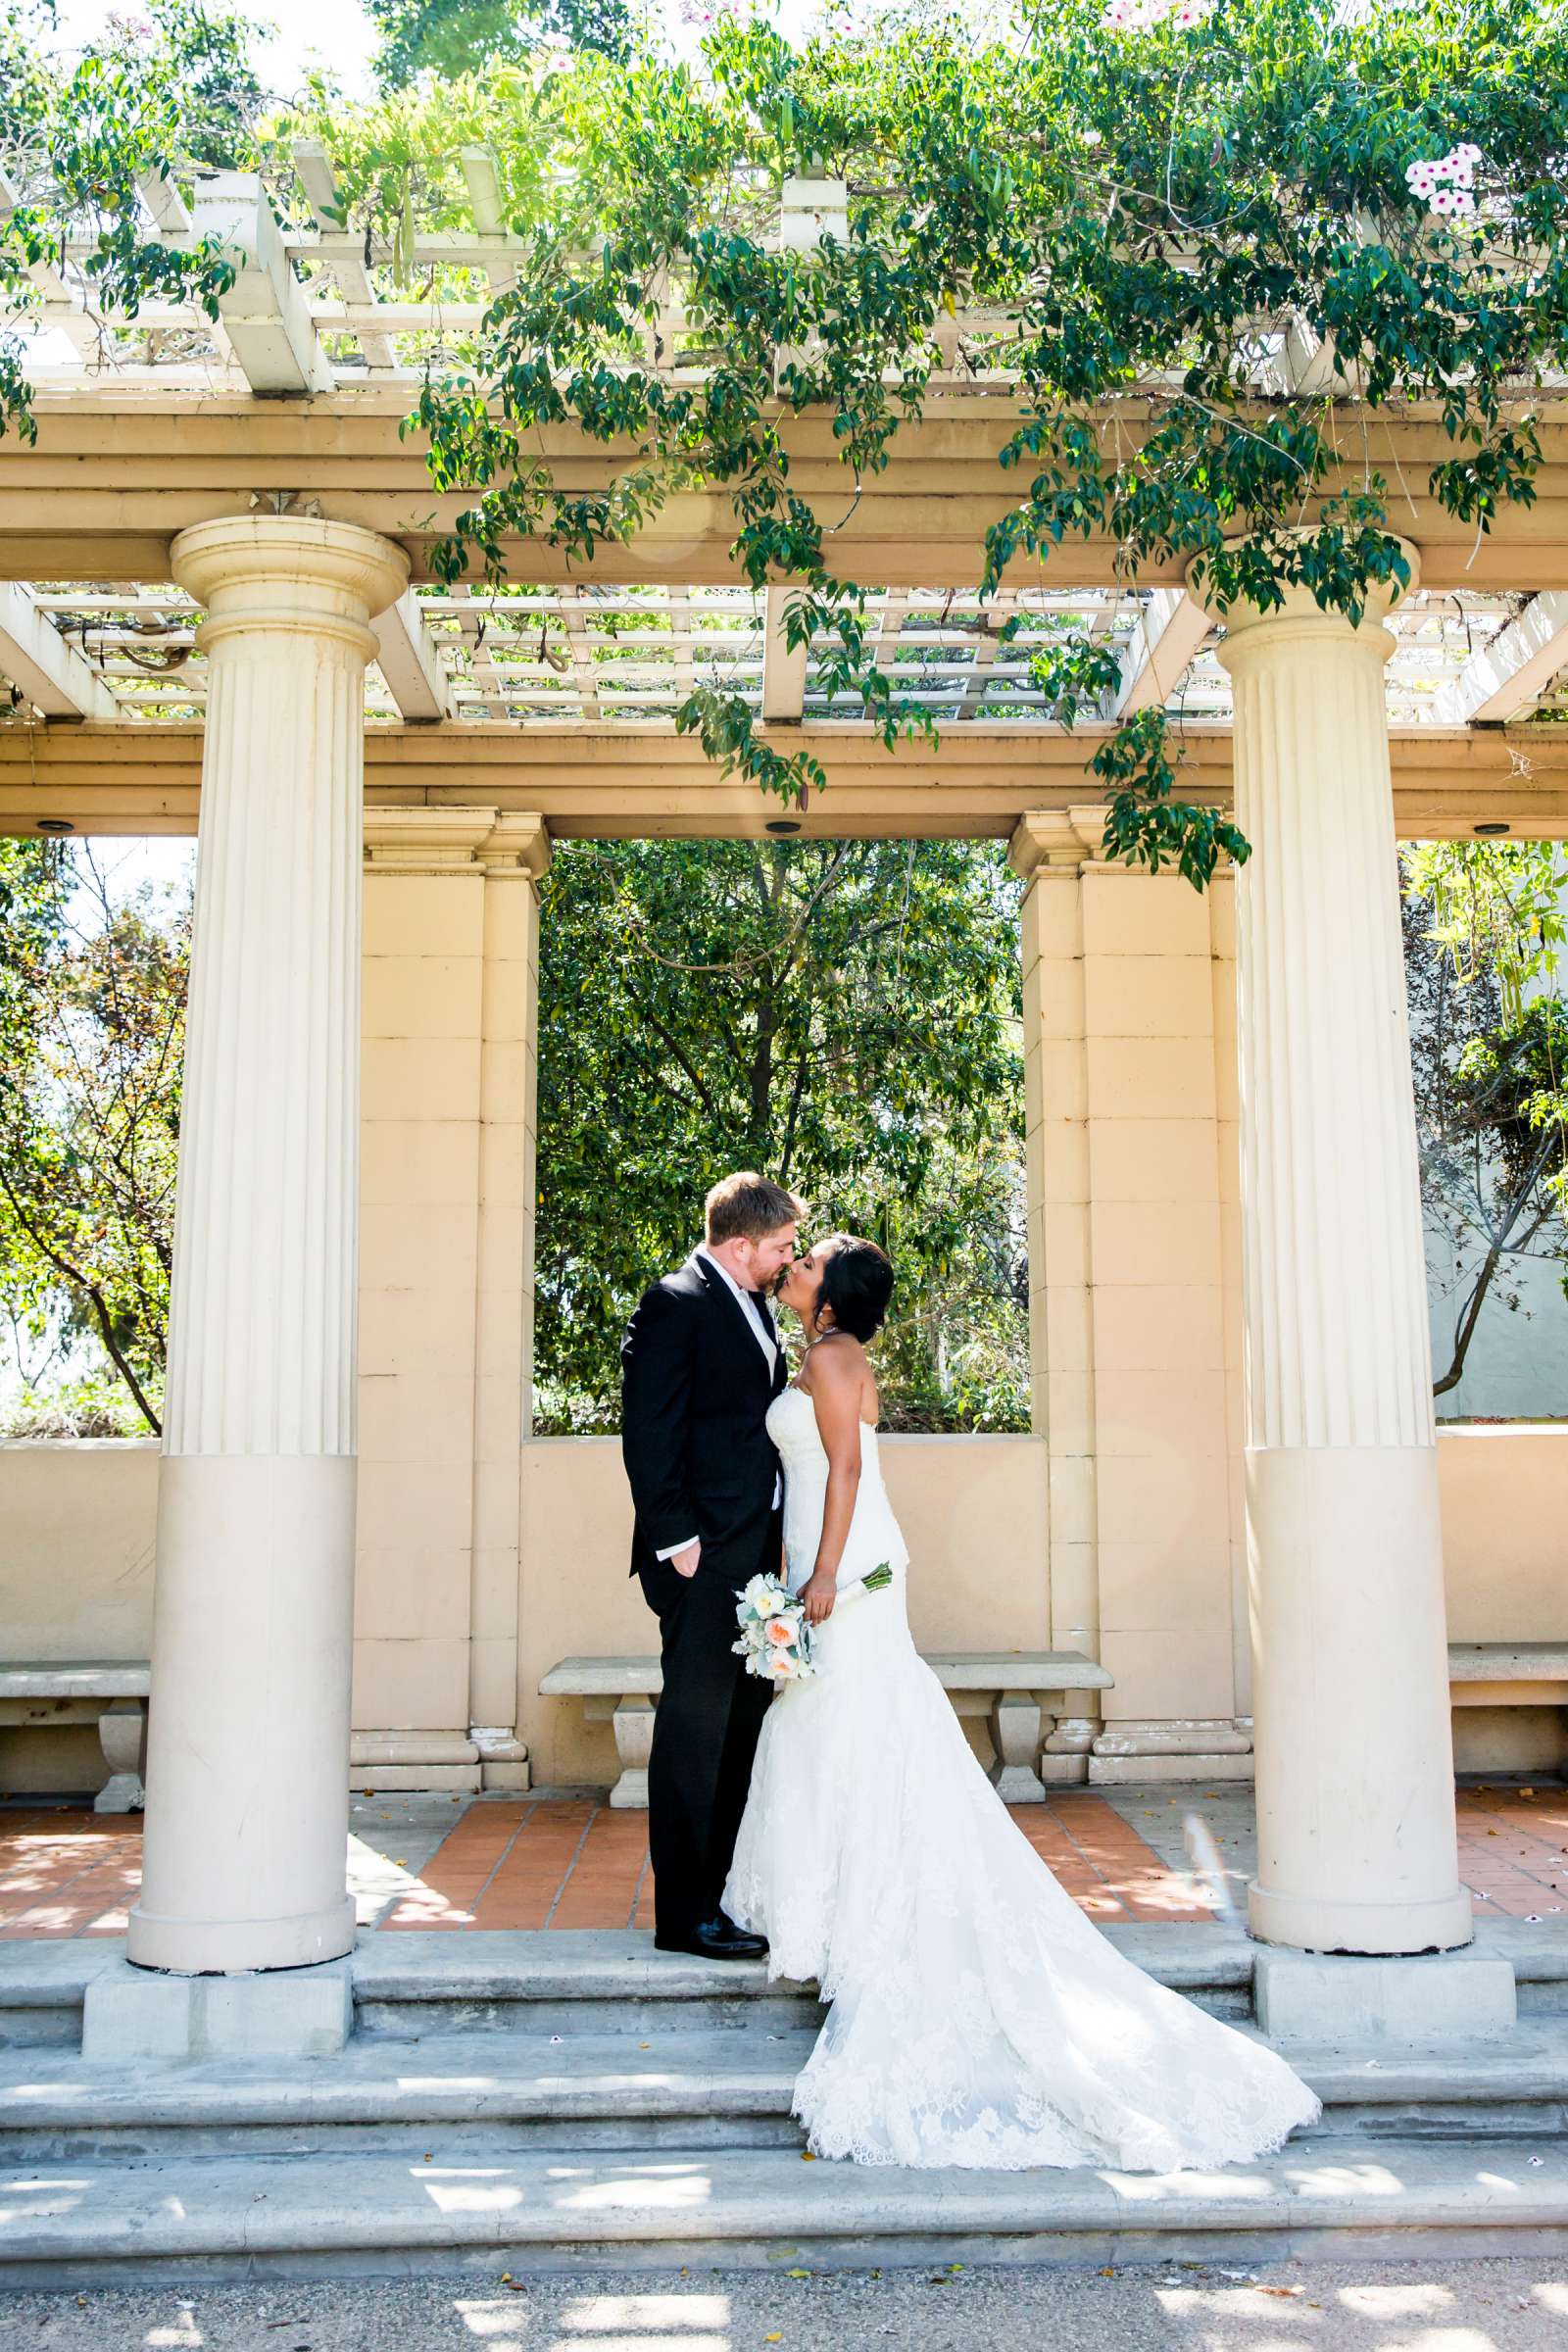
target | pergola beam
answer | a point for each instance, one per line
(1506, 678)
(625, 782)
(784, 665)
(49, 673)
(319, 180)
(482, 181)
(406, 656)
(114, 475)
(1169, 635)
(265, 314)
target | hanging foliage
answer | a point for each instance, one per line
(1197, 232)
(1176, 241)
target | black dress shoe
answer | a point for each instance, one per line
(716, 1939)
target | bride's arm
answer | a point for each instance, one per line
(837, 1379)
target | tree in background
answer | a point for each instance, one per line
(450, 37)
(1484, 929)
(843, 1015)
(93, 1006)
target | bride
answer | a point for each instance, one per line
(977, 2016)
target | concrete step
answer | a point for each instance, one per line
(602, 1980)
(581, 2090)
(463, 2093)
(594, 1980)
(509, 1981)
(348, 2215)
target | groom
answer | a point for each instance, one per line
(701, 1365)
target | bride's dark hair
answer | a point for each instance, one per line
(856, 1284)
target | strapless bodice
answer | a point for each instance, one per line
(873, 1536)
(792, 1426)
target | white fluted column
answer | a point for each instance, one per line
(1355, 1766)
(247, 1772)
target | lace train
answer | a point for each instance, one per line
(978, 2018)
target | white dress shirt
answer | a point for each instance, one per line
(769, 1346)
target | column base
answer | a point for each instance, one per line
(240, 1948)
(1310, 1924)
(131, 2013)
(1304, 1997)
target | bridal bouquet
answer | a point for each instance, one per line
(775, 1639)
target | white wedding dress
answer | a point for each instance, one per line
(977, 2016)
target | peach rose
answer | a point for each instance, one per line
(781, 1631)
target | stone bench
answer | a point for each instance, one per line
(1508, 1674)
(44, 1692)
(1009, 1687)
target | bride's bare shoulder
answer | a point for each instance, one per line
(835, 1365)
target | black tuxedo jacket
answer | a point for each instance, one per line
(695, 1394)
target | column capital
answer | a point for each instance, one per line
(1058, 839)
(518, 842)
(456, 841)
(1298, 613)
(288, 572)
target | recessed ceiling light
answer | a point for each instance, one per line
(56, 824)
(1491, 828)
(782, 824)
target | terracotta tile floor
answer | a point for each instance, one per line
(1513, 1849)
(531, 1862)
(67, 1871)
(570, 1862)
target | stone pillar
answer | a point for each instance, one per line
(451, 922)
(247, 1776)
(1124, 1170)
(1354, 1770)
(514, 858)
(1048, 853)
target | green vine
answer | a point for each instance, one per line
(1148, 212)
(1203, 238)
(78, 138)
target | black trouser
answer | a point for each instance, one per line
(705, 1737)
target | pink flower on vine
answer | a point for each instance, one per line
(1445, 182)
(1140, 15)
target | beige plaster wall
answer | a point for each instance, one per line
(973, 1510)
(1505, 1532)
(76, 1528)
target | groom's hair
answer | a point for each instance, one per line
(748, 1208)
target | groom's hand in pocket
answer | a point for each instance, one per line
(685, 1562)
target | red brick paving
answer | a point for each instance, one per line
(570, 1862)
